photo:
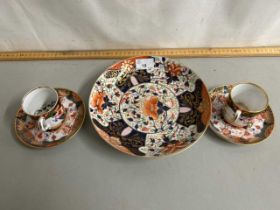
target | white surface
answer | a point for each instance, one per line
(85, 173)
(106, 24)
(37, 99)
(250, 97)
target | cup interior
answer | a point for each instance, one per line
(249, 97)
(39, 101)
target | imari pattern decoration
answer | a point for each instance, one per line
(259, 126)
(29, 133)
(149, 106)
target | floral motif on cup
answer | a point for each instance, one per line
(259, 126)
(150, 108)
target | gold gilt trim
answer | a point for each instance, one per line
(125, 53)
(246, 110)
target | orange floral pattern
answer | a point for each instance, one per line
(174, 147)
(127, 65)
(150, 107)
(174, 69)
(97, 100)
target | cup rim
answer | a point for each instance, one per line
(246, 110)
(26, 94)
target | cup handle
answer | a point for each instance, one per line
(237, 115)
(42, 124)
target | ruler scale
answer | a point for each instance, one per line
(116, 54)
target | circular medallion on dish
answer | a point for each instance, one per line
(149, 106)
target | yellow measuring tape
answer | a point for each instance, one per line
(114, 54)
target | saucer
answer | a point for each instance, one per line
(259, 128)
(149, 106)
(28, 133)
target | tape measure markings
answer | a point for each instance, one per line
(109, 54)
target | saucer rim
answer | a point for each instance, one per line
(66, 138)
(228, 139)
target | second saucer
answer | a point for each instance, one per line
(258, 128)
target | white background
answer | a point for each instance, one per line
(107, 24)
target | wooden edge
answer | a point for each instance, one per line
(116, 54)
